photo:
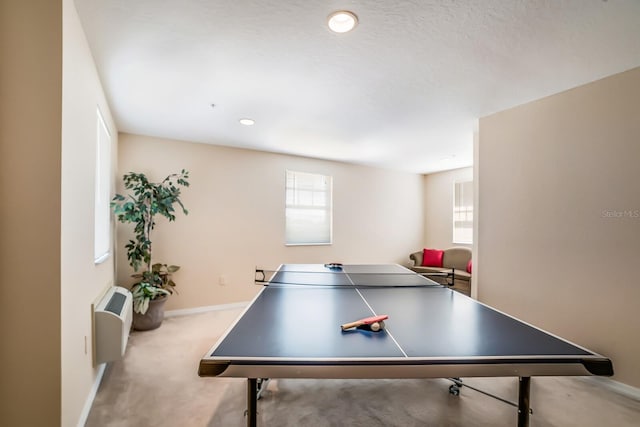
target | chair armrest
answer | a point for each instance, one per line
(416, 257)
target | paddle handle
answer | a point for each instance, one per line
(352, 325)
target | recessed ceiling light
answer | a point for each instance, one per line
(247, 122)
(342, 21)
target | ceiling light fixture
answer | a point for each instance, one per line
(247, 122)
(342, 21)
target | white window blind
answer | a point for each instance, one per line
(102, 225)
(308, 209)
(463, 212)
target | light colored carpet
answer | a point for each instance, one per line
(156, 384)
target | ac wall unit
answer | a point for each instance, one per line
(112, 322)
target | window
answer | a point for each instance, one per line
(102, 225)
(463, 212)
(308, 209)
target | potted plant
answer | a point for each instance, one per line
(154, 283)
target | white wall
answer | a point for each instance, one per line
(82, 281)
(559, 237)
(236, 221)
(438, 207)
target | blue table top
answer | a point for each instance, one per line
(297, 318)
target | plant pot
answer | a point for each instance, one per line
(152, 319)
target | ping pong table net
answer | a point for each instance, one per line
(336, 278)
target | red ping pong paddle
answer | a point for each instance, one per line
(365, 321)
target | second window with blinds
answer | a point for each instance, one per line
(308, 209)
(463, 212)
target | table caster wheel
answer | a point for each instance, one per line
(454, 389)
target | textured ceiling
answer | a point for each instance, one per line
(403, 90)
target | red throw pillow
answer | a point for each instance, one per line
(469, 267)
(432, 258)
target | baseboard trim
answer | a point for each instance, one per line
(205, 309)
(616, 387)
(92, 395)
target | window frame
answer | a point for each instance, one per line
(102, 191)
(461, 210)
(327, 209)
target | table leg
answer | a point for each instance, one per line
(252, 402)
(524, 384)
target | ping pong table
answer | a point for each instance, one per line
(291, 329)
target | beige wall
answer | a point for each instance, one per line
(236, 221)
(553, 173)
(438, 207)
(82, 280)
(30, 151)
